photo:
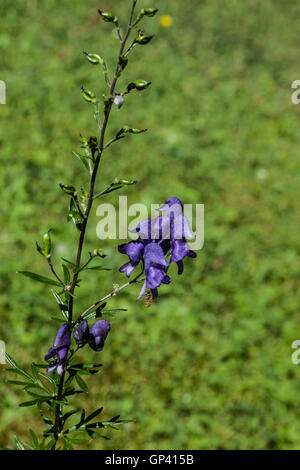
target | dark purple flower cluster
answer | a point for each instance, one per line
(165, 235)
(95, 337)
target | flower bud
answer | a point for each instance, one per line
(149, 11)
(93, 58)
(98, 252)
(130, 130)
(108, 17)
(46, 250)
(143, 39)
(70, 190)
(88, 95)
(98, 334)
(123, 181)
(81, 334)
(47, 244)
(138, 85)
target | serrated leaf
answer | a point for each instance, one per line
(37, 277)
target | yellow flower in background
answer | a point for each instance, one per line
(166, 21)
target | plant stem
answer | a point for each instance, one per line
(107, 111)
(54, 272)
(111, 294)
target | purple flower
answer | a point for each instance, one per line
(155, 269)
(81, 334)
(179, 231)
(98, 334)
(180, 249)
(59, 350)
(172, 202)
(178, 224)
(159, 237)
(134, 250)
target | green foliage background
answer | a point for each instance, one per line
(208, 366)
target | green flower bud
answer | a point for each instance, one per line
(143, 39)
(70, 190)
(138, 85)
(99, 253)
(123, 182)
(108, 17)
(93, 58)
(47, 244)
(149, 11)
(130, 130)
(88, 95)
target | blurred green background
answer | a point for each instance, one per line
(209, 365)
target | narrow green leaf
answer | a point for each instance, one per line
(98, 268)
(81, 383)
(34, 438)
(29, 403)
(39, 278)
(19, 444)
(17, 368)
(93, 415)
(67, 276)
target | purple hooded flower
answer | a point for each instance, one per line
(177, 224)
(98, 334)
(179, 231)
(134, 250)
(155, 269)
(59, 350)
(81, 334)
(180, 249)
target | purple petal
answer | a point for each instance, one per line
(180, 267)
(51, 367)
(128, 268)
(154, 254)
(154, 277)
(171, 201)
(50, 353)
(180, 250)
(100, 328)
(81, 333)
(142, 292)
(63, 337)
(60, 369)
(62, 354)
